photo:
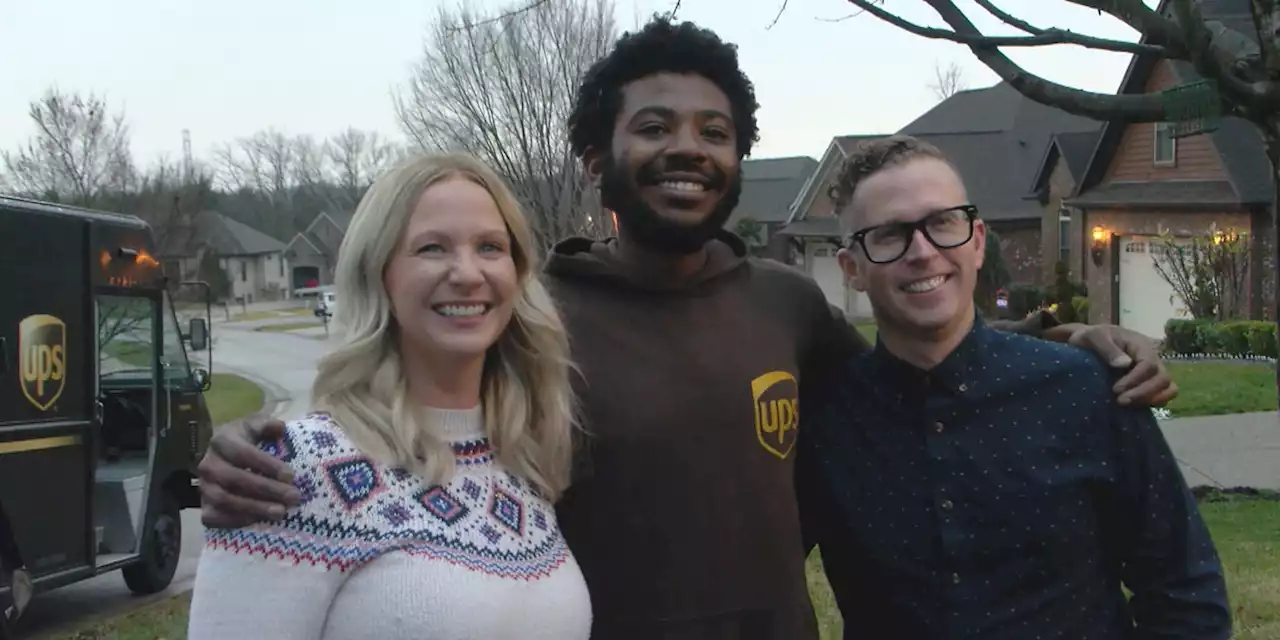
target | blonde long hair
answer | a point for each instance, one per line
(526, 393)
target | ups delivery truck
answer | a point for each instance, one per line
(102, 413)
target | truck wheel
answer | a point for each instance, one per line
(154, 570)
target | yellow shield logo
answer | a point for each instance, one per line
(776, 398)
(42, 349)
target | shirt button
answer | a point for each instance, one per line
(964, 387)
(955, 578)
(946, 505)
(937, 426)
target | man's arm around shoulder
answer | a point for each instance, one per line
(1169, 560)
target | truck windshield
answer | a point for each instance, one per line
(174, 355)
(126, 346)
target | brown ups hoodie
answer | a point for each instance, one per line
(682, 513)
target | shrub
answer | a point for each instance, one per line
(1234, 339)
(1080, 305)
(1025, 298)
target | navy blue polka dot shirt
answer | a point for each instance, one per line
(1001, 495)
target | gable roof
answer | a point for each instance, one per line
(228, 237)
(1075, 148)
(1239, 144)
(769, 186)
(995, 136)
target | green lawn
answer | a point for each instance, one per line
(1247, 534)
(290, 326)
(232, 398)
(1213, 388)
(164, 620)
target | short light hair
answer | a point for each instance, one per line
(871, 157)
(526, 392)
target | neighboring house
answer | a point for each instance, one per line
(1141, 180)
(769, 186)
(254, 262)
(314, 252)
(996, 137)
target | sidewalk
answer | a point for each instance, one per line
(1238, 450)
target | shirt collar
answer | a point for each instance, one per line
(953, 374)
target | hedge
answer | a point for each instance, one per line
(1234, 339)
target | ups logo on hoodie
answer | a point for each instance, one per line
(776, 397)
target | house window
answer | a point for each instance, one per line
(1064, 238)
(280, 261)
(1166, 146)
(244, 271)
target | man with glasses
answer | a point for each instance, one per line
(967, 483)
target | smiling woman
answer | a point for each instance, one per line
(442, 438)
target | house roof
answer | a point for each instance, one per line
(769, 186)
(228, 237)
(1076, 148)
(994, 135)
(1239, 144)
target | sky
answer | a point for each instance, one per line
(223, 70)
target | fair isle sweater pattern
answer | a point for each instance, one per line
(354, 510)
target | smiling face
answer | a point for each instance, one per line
(452, 278)
(928, 289)
(672, 175)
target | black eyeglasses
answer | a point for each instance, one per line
(945, 229)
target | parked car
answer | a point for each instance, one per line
(325, 305)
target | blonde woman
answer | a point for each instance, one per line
(441, 439)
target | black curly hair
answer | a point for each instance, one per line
(660, 47)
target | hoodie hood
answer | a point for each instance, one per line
(581, 259)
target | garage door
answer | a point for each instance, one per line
(1146, 300)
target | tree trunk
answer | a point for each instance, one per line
(1271, 136)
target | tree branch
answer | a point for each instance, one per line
(1009, 19)
(976, 39)
(1155, 28)
(1098, 106)
(467, 26)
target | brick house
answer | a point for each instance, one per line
(255, 263)
(997, 138)
(313, 252)
(1140, 179)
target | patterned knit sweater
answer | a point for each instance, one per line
(375, 552)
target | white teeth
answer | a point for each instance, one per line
(683, 186)
(460, 309)
(921, 286)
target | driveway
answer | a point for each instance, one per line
(285, 365)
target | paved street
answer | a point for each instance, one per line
(285, 365)
(1239, 450)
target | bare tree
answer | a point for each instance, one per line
(502, 89)
(266, 162)
(1239, 70)
(79, 153)
(356, 158)
(948, 81)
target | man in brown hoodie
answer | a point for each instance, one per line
(682, 515)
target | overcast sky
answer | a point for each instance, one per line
(226, 69)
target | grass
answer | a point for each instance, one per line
(1246, 532)
(232, 398)
(164, 620)
(1215, 388)
(289, 326)
(269, 314)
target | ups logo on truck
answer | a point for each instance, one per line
(42, 359)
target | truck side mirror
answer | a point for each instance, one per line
(199, 334)
(202, 379)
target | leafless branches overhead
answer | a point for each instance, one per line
(502, 89)
(1249, 82)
